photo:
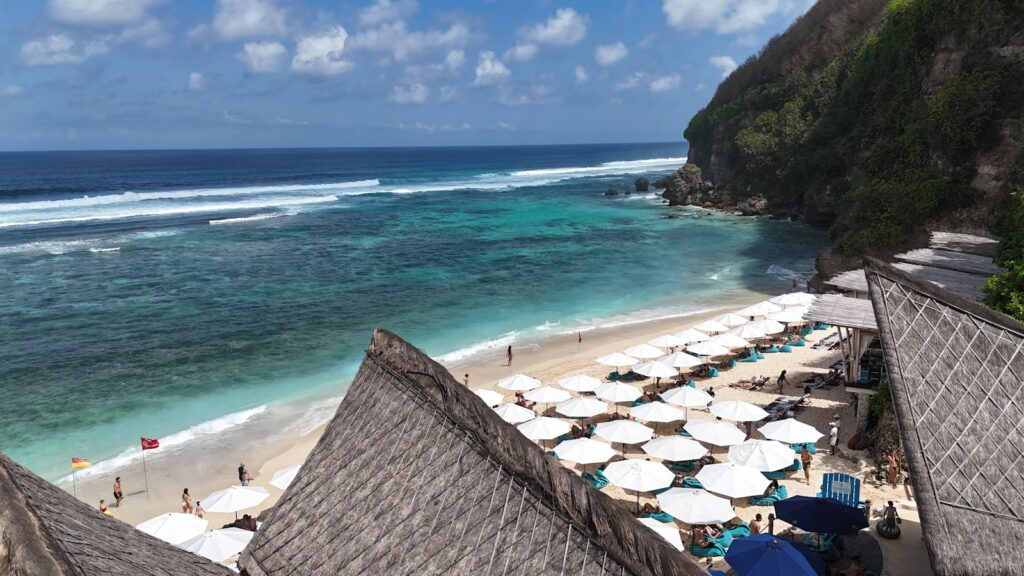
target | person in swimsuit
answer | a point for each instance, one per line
(199, 509)
(508, 354)
(890, 516)
(805, 459)
(782, 381)
(118, 495)
(755, 525)
(892, 469)
(103, 506)
(465, 380)
(186, 502)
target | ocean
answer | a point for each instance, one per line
(179, 294)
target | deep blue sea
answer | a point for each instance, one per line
(175, 294)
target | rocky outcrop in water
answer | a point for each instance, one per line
(642, 184)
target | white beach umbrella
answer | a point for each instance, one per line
(789, 315)
(759, 309)
(519, 383)
(790, 431)
(580, 383)
(696, 506)
(174, 527)
(680, 360)
(514, 413)
(794, 299)
(667, 531)
(711, 327)
(655, 369)
(692, 336)
(618, 392)
(707, 349)
(544, 428)
(624, 431)
(581, 407)
(644, 351)
(639, 475)
(667, 341)
(768, 326)
(732, 480)
(675, 448)
(686, 397)
(656, 412)
(218, 545)
(584, 451)
(738, 411)
(616, 359)
(235, 498)
(730, 341)
(747, 332)
(715, 432)
(731, 319)
(763, 455)
(490, 397)
(283, 477)
(547, 395)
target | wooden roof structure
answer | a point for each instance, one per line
(956, 372)
(44, 531)
(842, 311)
(415, 475)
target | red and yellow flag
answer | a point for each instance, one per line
(77, 463)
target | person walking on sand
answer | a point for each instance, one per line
(508, 354)
(465, 380)
(833, 439)
(805, 459)
(199, 509)
(782, 381)
(118, 494)
(892, 469)
(243, 475)
(186, 502)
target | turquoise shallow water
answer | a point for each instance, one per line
(128, 315)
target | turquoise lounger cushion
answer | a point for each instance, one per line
(779, 494)
(691, 383)
(741, 531)
(691, 482)
(810, 447)
(714, 372)
(749, 359)
(660, 517)
(772, 350)
(785, 348)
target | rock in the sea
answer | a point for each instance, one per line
(661, 183)
(611, 192)
(686, 187)
(642, 184)
(753, 206)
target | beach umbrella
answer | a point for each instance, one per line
(738, 411)
(490, 397)
(674, 448)
(759, 309)
(283, 477)
(667, 531)
(618, 392)
(680, 360)
(790, 431)
(656, 412)
(766, 555)
(691, 336)
(789, 315)
(667, 341)
(768, 326)
(747, 332)
(686, 397)
(763, 455)
(715, 432)
(655, 369)
(644, 351)
(707, 349)
(581, 407)
(794, 299)
(730, 341)
(624, 431)
(580, 383)
(639, 476)
(696, 506)
(218, 545)
(821, 515)
(174, 527)
(711, 327)
(547, 395)
(544, 428)
(514, 413)
(731, 319)
(584, 451)
(518, 383)
(235, 498)
(616, 359)
(732, 480)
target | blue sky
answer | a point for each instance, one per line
(130, 74)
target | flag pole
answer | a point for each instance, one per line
(145, 474)
(74, 484)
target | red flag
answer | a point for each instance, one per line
(150, 443)
(80, 463)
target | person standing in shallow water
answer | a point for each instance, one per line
(508, 354)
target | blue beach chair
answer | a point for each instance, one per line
(841, 487)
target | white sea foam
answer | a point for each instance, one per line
(607, 168)
(249, 218)
(97, 244)
(546, 326)
(479, 348)
(785, 273)
(640, 317)
(102, 250)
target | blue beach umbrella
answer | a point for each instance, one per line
(821, 515)
(716, 573)
(766, 555)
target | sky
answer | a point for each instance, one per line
(148, 74)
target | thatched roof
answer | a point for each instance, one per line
(842, 311)
(416, 475)
(957, 375)
(44, 531)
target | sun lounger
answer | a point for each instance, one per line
(731, 363)
(752, 358)
(713, 373)
(682, 467)
(691, 482)
(691, 383)
(841, 487)
(806, 331)
(741, 531)
(718, 546)
(774, 349)
(743, 385)
(785, 348)
(779, 494)
(796, 466)
(821, 326)
(660, 516)
(597, 479)
(811, 447)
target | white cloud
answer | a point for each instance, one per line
(454, 60)
(724, 64)
(60, 49)
(11, 90)
(581, 74)
(499, 125)
(608, 54)
(237, 19)
(411, 94)
(386, 11)
(262, 57)
(100, 12)
(195, 81)
(431, 128)
(565, 28)
(394, 37)
(322, 54)
(490, 70)
(522, 52)
(632, 81)
(728, 16)
(665, 83)
(149, 34)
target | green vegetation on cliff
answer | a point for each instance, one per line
(1005, 292)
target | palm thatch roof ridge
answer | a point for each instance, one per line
(956, 372)
(44, 531)
(416, 475)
